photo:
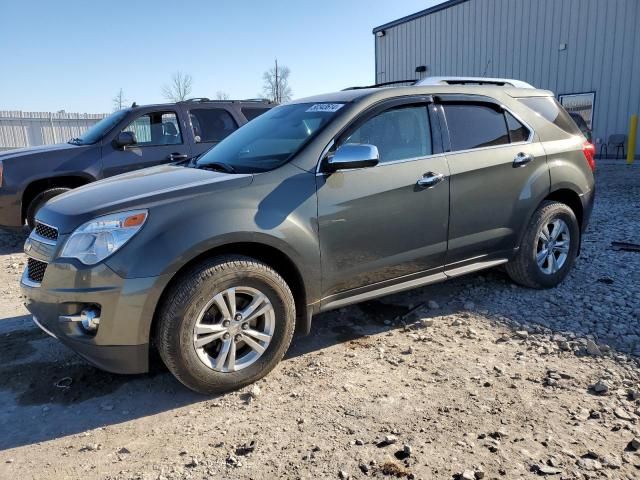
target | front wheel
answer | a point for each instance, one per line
(548, 249)
(225, 324)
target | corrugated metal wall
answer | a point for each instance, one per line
(521, 39)
(27, 129)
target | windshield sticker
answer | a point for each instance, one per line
(325, 107)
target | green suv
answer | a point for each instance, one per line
(317, 204)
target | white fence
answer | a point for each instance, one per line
(27, 129)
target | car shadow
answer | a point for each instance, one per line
(12, 241)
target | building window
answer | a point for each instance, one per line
(580, 103)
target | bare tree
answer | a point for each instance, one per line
(220, 95)
(180, 87)
(119, 101)
(276, 84)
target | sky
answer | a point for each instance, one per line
(76, 55)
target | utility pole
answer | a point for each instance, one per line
(277, 92)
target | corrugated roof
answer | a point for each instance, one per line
(422, 13)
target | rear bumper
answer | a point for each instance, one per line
(121, 344)
(10, 209)
(587, 200)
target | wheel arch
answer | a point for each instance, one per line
(38, 186)
(268, 254)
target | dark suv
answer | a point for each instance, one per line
(317, 204)
(130, 139)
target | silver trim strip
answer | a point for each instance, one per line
(35, 320)
(41, 239)
(26, 281)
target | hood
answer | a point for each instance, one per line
(23, 152)
(139, 189)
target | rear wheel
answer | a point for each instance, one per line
(38, 202)
(548, 249)
(226, 324)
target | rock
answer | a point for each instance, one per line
(428, 322)
(600, 387)
(343, 475)
(593, 349)
(433, 305)
(622, 414)
(467, 475)
(546, 470)
(124, 450)
(634, 445)
(255, 391)
(387, 440)
(522, 334)
(246, 449)
(589, 464)
(359, 442)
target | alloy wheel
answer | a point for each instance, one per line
(552, 249)
(234, 329)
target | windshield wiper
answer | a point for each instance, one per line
(75, 141)
(217, 166)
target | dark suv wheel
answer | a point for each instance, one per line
(548, 249)
(225, 324)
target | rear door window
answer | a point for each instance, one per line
(211, 124)
(253, 112)
(474, 125)
(517, 131)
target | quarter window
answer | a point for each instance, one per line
(155, 129)
(212, 124)
(517, 131)
(474, 125)
(400, 133)
(253, 112)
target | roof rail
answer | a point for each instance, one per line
(501, 82)
(205, 99)
(383, 84)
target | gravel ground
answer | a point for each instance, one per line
(473, 378)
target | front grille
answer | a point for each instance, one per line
(45, 231)
(35, 270)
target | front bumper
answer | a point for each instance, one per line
(121, 344)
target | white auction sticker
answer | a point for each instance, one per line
(325, 107)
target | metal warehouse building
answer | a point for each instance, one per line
(586, 51)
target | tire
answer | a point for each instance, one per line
(192, 302)
(39, 200)
(525, 268)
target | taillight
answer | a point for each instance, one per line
(589, 151)
(0, 173)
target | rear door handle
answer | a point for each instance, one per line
(175, 157)
(522, 159)
(430, 179)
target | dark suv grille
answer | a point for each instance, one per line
(46, 231)
(35, 270)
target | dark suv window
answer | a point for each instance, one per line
(400, 133)
(212, 124)
(473, 125)
(155, 129)
(253, 112)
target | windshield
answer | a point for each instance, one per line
(96, 132)
(272, 139)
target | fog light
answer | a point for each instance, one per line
(90, 318)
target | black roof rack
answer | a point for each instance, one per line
(208, 100)
(383, 84)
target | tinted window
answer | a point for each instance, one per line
(517, 131)
(550, 109)
(155, 128)
(253, 112)
(474, 126)
(212, 124)
(399, 133)
(96, 132)
(273, 138)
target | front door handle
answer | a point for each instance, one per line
(430, 179)
(522, 159)
(176, 157)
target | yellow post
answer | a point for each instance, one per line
(633, 131)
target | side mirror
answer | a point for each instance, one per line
(353, 156)
(124, 139)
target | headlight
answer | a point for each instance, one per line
(99, 238)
